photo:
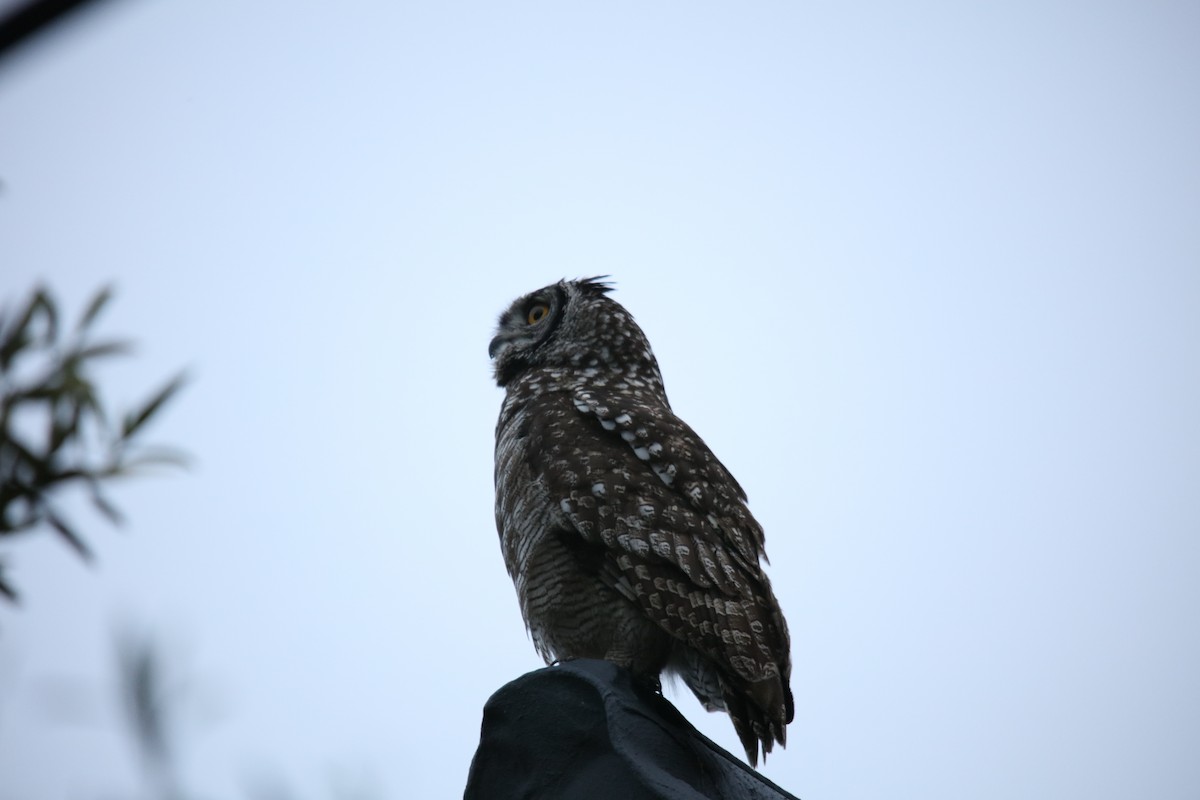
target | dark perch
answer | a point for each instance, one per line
(589, 729)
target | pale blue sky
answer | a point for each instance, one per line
(925, 276)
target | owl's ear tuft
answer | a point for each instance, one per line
(596, 285)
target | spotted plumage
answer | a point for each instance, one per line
(625, 537)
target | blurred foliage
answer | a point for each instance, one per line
(160, 701)
(55, 432)
(141, 668)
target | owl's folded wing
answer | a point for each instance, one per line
(681, 541)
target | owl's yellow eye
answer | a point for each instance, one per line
(537, 313)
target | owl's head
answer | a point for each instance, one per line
(569, 325)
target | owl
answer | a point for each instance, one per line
(626, 538)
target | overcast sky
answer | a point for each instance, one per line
(925, 276)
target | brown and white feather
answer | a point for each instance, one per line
(626, 538)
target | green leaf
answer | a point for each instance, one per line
(19, 336)
(106, 508)
(134, 421)
(70, 536)
(61, 430)
(114, 348)
(94, 308)
(44, 303)
(154, 456)
(7, 590)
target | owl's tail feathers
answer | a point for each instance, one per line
(760, 710)
(760, 713)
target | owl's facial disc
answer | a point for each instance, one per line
(523, 327)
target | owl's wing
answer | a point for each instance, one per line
(675, 521)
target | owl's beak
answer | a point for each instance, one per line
(498, 346)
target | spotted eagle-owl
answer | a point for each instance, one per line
(625, 536)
